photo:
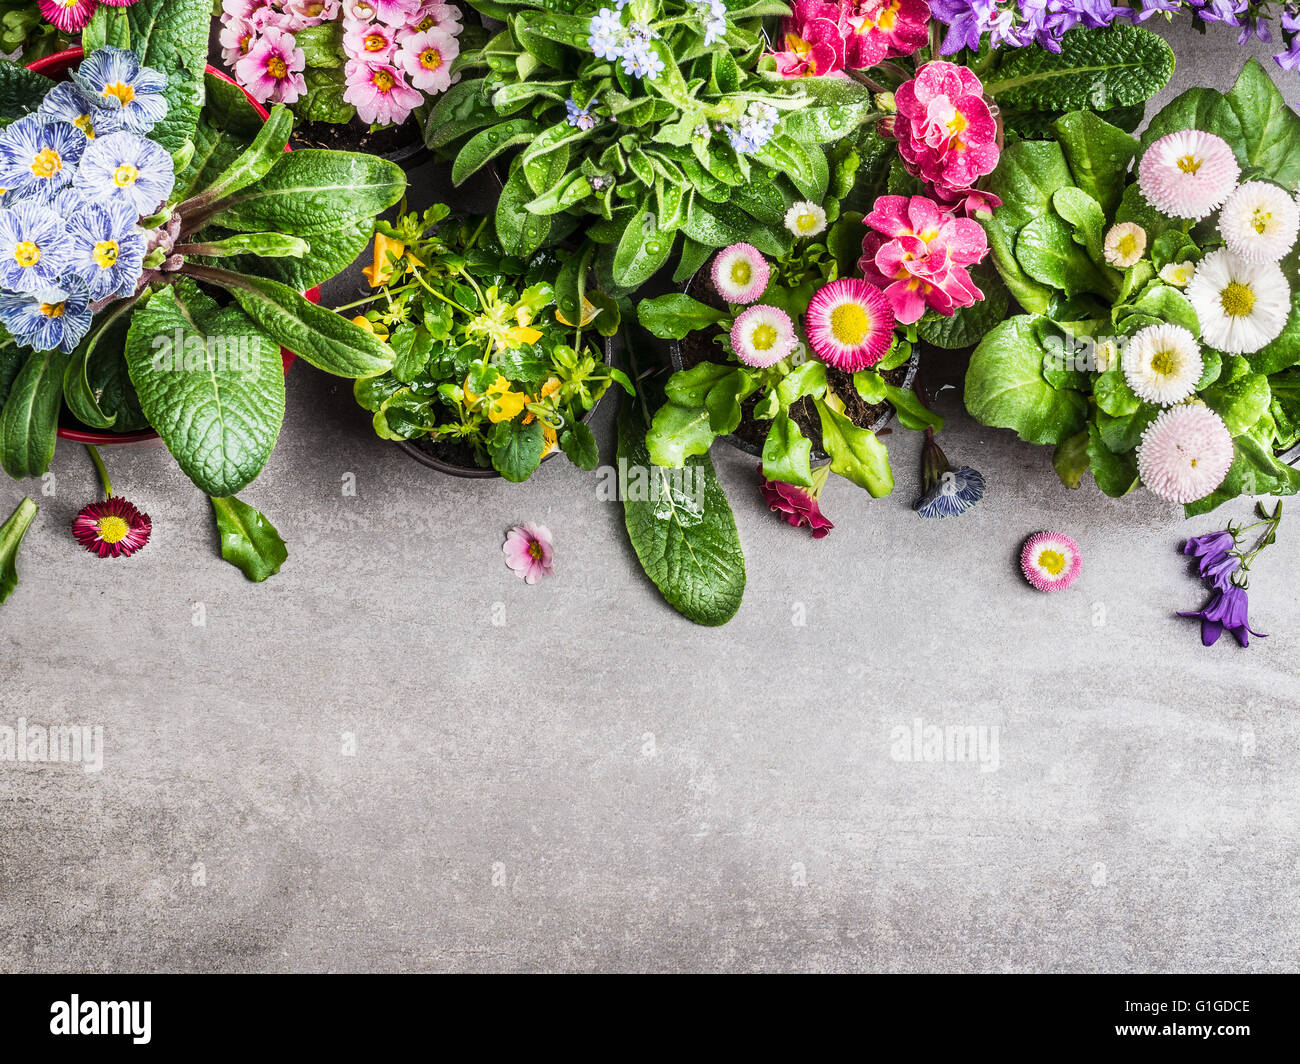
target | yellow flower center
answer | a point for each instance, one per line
(47, 163)
(276, 67)
(535, 550)
(426, 23)
(83, 123)
(1128, 246)
(957, 124)
(1260, 220)
(806, 222)
(53, 310)
(431, 59)
(105, 254)
(1189, 164)
(1165, 361)
(376, 42)
(1237, 300)
(112, 529)
(27, 254)
(764, 337)
(119, 90)
(383, 80)
(125, 175)
(741, 272)
(850, 324)
(1053, 561)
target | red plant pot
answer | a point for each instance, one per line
(56, 67)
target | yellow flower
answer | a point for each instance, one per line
(364, 322)
(386, 266)
(503, 404)
(551, 386)
(548, 434)
(589, 312)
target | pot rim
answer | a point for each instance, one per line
(58, 63)
(817, 457)
(478, 472)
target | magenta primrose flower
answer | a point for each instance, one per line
(946, 133)
(272, 68)
(529, 552)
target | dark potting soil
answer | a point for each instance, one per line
(702, 347)
(357, 136)
(449, 451)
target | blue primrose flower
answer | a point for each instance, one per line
(51, 318)
(68, 103)
(114, 79)
(39, 156)
(956, 492)
(126, 168)
(107, 248)
(34, 248)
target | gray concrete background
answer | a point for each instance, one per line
(597, 784)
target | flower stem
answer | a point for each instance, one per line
(103, 473)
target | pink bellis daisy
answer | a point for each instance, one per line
(380, 93)
(70, 16)
(1188, 174)
(529, 552)
(113, 528)
(1185, 453)
(740, 273)
(761, 336)
(1051, 561)
(272, 69)
(850, 324)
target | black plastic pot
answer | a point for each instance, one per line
(478, 472)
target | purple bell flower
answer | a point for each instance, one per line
(1226, 609)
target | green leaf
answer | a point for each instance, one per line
(1096, 69)
(257, 159)
(1198, 108)
(171, 36)
(21, 90)
(1169, 305)
(30, 420)
(322, 46)
(1113, 394)
(11, 538)
(325, 339)
(1005, 387)
(485, 146)
(579, 443)
(1085, 216)
(1270, 128)
(673, 316)
(856, 454)
(263, 245)
(806, 379)
(227, 108)
(1256, 470)
(1098, 155)
(1070, 460)
(1115, 474)
(786, 453)
(516, 449)
(1242, 400)
(107, 26)
(969, 325)
(677, 433)
(519, 232)
(323, 101)
(82, 399)
(641, 250)
(211, 384)
(462, 109)
(1046, 250)
(1283, 352)
(248, 540)
(328, 198)
(682, 530)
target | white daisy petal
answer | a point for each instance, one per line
(1163, 364)
(1242, 306)
(1259, 223)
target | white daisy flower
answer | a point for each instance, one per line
(1242, 306)
(1188, 174)
(805, 219)
(1105, 353)
(1259, 222)
(761, 336)
(1163, 364)
(1178, 274)
(1125, 244)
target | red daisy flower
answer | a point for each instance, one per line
(112, 529)
(71, 16)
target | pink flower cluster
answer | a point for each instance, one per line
(919, 253)
(946, 133)
(397, 51)
(823, 38)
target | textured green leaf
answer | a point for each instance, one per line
(1198, 108)
(108, 331)
(1241, 400)
(1098, 155)
(485, 146)
(211, 384)
(1270, 128)
(323, 101)
(519, 232)
(1096, 69)
(786, 453)
(107, 26)
(682, 529)
(215, 150)
(969, 325)
(11, 538)
(171, 36)
(329, 198)
(248, 540)
(1046, 251)
(257, 160)
(642, 250)
(579, 443)
(30, 420)
(21, 90)
(679, 432)
(1005, 387)
(856, 453)
(516, 449)
(1283, 352)
(673, 316)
